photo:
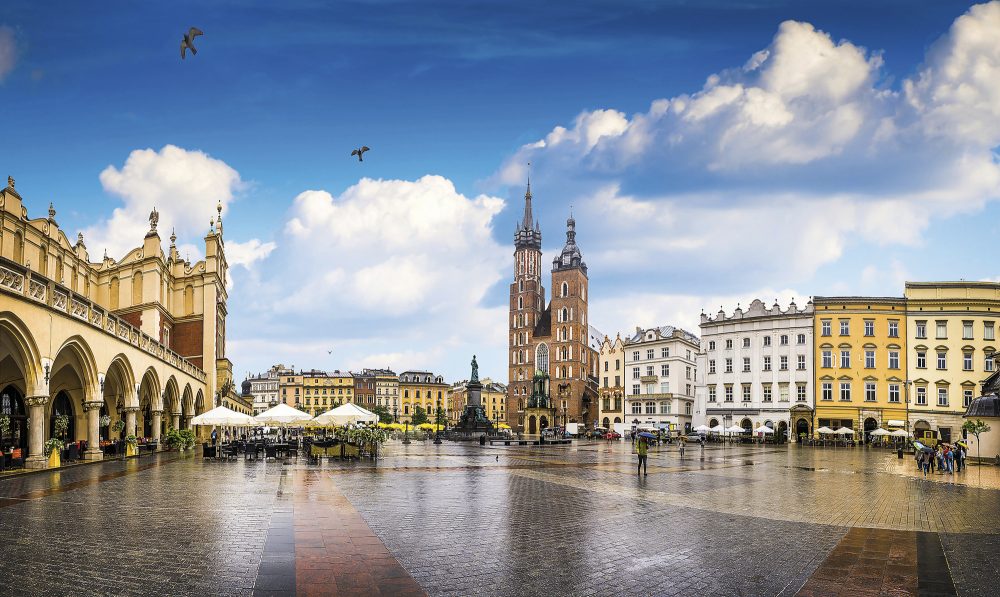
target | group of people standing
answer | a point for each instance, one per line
(946, 459)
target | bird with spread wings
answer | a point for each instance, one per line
(188, 42)
(358, 152)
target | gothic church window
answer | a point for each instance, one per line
(565, 289)
(137, 288)
(542, 358)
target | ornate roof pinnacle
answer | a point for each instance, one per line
(52, 211)
(173, 236)
(10, 182)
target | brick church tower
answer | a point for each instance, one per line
(551, 362)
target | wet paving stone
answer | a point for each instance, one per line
(469, 520)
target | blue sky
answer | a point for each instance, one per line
(844, 174)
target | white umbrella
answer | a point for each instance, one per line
(825, 430)
(900, 433)
(735, 429)
(718, 429)
(282, 415)
(224, 417)
(702, 428)
(880, 431)
(346, 414)
(844, 431)
(763, 429)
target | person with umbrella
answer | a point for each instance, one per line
(642, 449)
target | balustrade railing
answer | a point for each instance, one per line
(17, 279)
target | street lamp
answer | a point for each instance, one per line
(395, 414)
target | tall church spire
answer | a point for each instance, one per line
(528, 234)
(526, 222)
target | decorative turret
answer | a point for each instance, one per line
(528, 235)
(570, 258)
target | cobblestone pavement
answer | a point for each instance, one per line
(467, 520)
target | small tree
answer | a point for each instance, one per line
(419, 416)
(439, 418)
(975, 428)
(384, 416)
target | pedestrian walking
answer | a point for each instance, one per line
(960, 458)
(682, 448)
(642, 449)
(949, 459)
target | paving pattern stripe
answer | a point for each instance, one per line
(36, 494)
(336, 551)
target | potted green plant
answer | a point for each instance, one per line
(188, 438)
(53, 447)
(105, 420)
(61, 425)
(131, 445)
(119, 426)
(172, 440)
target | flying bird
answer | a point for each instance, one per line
(358, 152)
(329, 352)
(188, 42)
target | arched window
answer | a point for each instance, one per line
(542, 358)
(12, 406)
(137, 288)
(18, 247)
(113, 292)
(520, 285)
(62, 406)
(189, 300)
(565, 289)
(520, 302)
(564, 314)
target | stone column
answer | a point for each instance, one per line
(130, 413)
(157, 421)
(36, 432)
(187, 421)
(93, 410)
(175, 420)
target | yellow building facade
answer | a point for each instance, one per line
(322, 391)
(951, 333)
(493, 398)
(860, 363)
(611, 382)
(423, 389)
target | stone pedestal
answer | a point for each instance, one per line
(474, 422)
(93, 451)
(36, 432)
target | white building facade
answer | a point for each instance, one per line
(756, 367)
(263, 387)
(660, 378)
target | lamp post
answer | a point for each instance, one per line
(395, 414)
(406, 432)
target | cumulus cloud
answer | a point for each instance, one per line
(184, 186)
(777, 167)
(388, 272)
(8, 51)
(248, 253)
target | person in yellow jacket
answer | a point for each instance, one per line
(642, 449)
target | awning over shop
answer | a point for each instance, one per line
(895, 423)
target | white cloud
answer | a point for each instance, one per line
(779, 167)
(248, 253)
(184, 186)
(8, 51)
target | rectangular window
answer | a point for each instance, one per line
(635, 355)
(664, 370)
(800, 362)
(637, 408)
(649, 353)
(746, 342)
(729, 393)
(711, 366)
(664, 408)
(746, 364)
(605, 384)
(966, 330)
(649, 369)
(650, 408)
(746, 392)
(893, 329)
(988, 365)
(894, 393)
(664, 352)
(767, 340)
(767, 363)
(845, 359)
(869, 359)
(942, 396)
(921, 359)
(921, 396)
(687, 372)
(618, 380)
(800, 392)
(942, 359)
(711, 345)
(783, 362)
(967, 361)
(729, 343)
(827, 358)
(921, 329)
(966, 398)
(825, 327)
(827, 391)
(635, 373)
(729, 365)
(869, 327)
(784, 392)
(845, 391)
(988, 331)
(942, 329)
(784, 339)
(711, 393)
(665, 387)
(635, 389)
(801, 338)
(894, 359)
(869, 391)
(845, 327)
(767, 392)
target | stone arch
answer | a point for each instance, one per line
(119, 381)
(149, 389)
(199, 402)
(187, 401)
(171, 397)
(76, 353)
(73, 380)
(19, 352)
